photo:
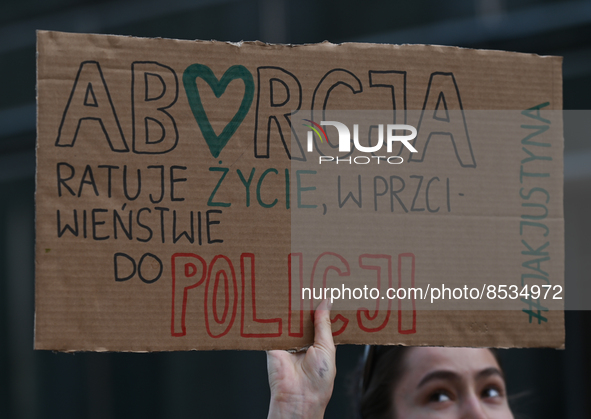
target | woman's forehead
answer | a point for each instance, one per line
(422, 360)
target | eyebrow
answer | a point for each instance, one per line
(489, 372)
(439, 375)
(452, 376)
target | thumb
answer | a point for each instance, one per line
(322, 328)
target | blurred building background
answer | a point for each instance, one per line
(36, 384)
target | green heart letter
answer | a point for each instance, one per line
(215, 142)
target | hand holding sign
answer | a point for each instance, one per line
(301, 383)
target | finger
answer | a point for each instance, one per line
(275, 364)
(322, 327)
(275, 358)
(271, 361)
(272, 356)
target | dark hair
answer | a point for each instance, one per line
(379, 372)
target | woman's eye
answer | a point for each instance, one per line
(439, 397)
(491, 392)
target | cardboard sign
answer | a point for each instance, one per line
(182, 202)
